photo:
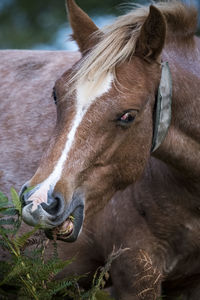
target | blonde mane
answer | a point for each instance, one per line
(117, 42)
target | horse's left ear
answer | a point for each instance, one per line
(152, 35)
(83, 27)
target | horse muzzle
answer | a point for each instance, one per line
(58, 220)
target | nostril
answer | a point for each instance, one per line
(53, 205)
(22, 198)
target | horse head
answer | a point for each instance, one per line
(103, 135)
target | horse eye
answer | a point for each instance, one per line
(127, 117)
(54, 96)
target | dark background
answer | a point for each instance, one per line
(42, 24)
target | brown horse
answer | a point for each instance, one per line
(101, 145)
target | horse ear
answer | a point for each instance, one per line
(83, 27)
(152, 35)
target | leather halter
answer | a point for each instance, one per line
(162, 112)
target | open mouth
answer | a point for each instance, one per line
(65, 230)
(68, 230)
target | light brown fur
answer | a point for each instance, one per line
(157, 218)
(119, 41)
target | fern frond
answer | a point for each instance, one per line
(16, 201)
(2, 209)
(4, 245)
(6, 231)
(55, 288)
(9, 221)
(15, 272)
(5, 268)
(20, 241)
(47, 271)
(8, 211)
(3, 199)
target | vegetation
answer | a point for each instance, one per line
(28, 24)
(25, 24)
(26, 274)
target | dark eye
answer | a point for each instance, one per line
(127, 118)
(54, 96)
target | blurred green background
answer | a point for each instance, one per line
(42, 24)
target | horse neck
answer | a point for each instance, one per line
(181, 148)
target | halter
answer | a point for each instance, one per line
(162, 111)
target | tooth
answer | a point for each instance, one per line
(66, 227)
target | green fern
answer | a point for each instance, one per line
(16, 201)
(27, 275)
(3, 200)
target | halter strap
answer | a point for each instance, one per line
(162, 110)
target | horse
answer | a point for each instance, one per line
(98, 183)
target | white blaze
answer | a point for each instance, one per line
(86, 93)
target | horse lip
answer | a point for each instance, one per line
(36, 218)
